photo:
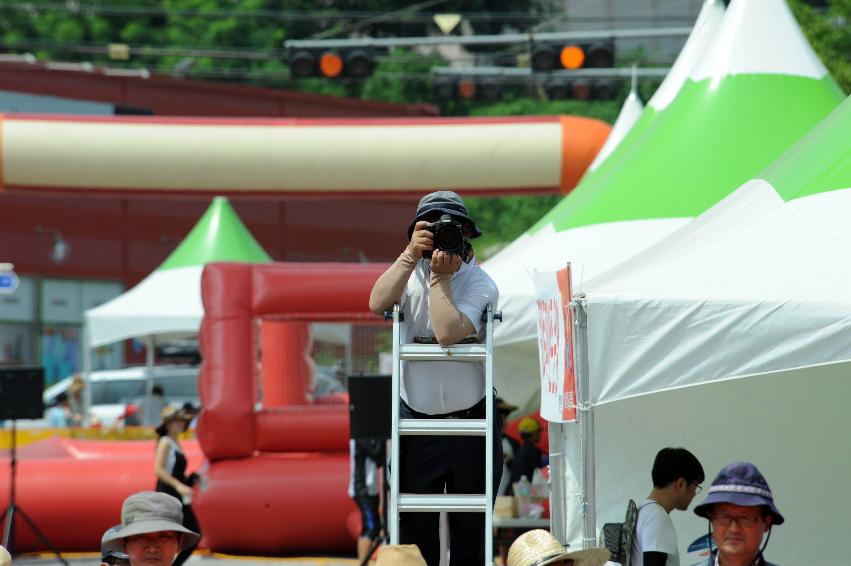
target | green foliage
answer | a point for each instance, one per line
(384, 85)
(829, 32)
(503, 219)
(606, 110)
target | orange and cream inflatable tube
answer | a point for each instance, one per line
(546, 154)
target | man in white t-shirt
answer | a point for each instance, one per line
(677, 475)
(442, 293)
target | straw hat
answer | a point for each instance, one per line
(77, 384)
(5, 557)
(400, 555)
(169, 414)
(540, 547)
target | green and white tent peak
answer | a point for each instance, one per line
(628, 116)
(715, 134)
(168, 301)
(706, 27)
(219, 235)
(759, 37)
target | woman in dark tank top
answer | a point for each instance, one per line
(170, 470)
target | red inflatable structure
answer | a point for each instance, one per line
(73, 489)
(274, 464)
(277, 469)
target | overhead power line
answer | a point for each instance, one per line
(500, 39)
(526, 73)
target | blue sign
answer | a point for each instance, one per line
(8, 282)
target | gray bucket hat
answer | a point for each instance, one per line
(149, 512)
(106, 552)
(447, 202)
(740, 483)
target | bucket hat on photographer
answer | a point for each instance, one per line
(447, 202)
(149, 512)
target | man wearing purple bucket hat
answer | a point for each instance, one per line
(740, 508)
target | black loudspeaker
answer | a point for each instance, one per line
(369, 406)
(21, 393)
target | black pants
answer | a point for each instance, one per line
(456, 464)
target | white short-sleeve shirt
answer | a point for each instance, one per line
(432, 387)
(654, 532)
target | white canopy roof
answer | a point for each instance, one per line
(757, 284)
(165, 302)
(168, 301)
(732, 337)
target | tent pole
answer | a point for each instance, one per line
(149, 364)
(558, 520)
(586, 422)
(87, 370)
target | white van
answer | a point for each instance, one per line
(112, 390)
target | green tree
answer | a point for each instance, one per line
(829, 32)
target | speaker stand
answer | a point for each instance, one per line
(14, 509)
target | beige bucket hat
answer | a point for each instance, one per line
(149, 512)
(400, 555)
(540, 547)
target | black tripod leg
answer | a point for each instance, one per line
(9, 529)
(375, 544)
(44, 540)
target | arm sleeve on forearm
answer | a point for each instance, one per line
(449, 324)
(388, 290)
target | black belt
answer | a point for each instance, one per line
(477, 411)
(433, 340)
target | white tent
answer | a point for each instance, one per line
(732, 337)
(630, 113)
(168, 301)
(748, 87)
(599, 246)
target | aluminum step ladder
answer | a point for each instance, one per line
(451, 503)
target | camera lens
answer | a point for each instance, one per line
(449, 237)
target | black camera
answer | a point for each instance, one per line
(448, 236)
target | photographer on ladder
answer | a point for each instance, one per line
(442, 293)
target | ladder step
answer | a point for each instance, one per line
(432, 352)
(443, 427)
(449, 502)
